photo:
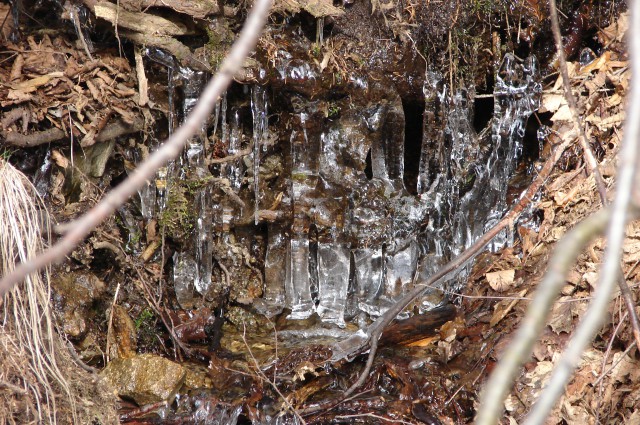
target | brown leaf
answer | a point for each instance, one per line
(502, 280)
(503, 308)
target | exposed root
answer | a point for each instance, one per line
(42, 383)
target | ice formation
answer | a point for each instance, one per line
(347, 244)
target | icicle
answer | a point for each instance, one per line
(148, 192)
(185, 270)
(432, 131)
(192, 84)
(370, 228)
(275, 264)
(517, 94)
(304, 178)
(333, 256)
(369, 267)
(320, 31)
(259, 109)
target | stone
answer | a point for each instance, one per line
(145, 379)
(74, 295)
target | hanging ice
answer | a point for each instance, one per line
(516, 96)
(275, 264)
(192, 83)
(333, 255)
(463, 179)
(185, 270)
(386, 122)
(259, 110)
(304, 178)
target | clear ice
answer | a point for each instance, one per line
(350, 242)
(305, 149)
(464, 177)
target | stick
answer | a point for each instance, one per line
(610, 270)
(588, 155)
(169, 150)
(375, 329)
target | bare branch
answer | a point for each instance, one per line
(169, 150)
(357, 344)
(564, 255)
(592, 164)
(588, 155)
(626, 187)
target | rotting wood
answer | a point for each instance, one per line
(138, 21)
(109, 132)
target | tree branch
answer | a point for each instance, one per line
(609, 272)
(169, 150)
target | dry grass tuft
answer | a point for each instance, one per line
(39, 383)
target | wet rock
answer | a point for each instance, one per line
(145, 379)
(74, 295)
(122, 341)
(196, 377)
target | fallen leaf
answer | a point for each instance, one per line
(503, 308)
(502, 280)
(562, 114)
(562, 315)
(551, 102)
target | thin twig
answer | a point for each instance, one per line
(616, 363)
(354, 345)
(604, 364)
(610, 270)
(588, 154)
(565, 253)
(571, 102)
(374, 416)
(264, 377)
(169, 150)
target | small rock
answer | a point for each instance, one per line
(74, 295)
(145, 379)
(123, 340)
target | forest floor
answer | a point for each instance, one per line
(435, 378)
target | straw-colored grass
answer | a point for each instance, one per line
(39, 383)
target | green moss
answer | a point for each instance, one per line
(333, 110)
(146, 317)
(484, 7)
(316, 50)
(178, 217)
(218, 43)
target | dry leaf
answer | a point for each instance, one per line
(551, 102)
(563, 313)
(562, 114)
(503, 308)
(502, 280)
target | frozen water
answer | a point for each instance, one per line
(305, 149)
(333, 276)
(352, 244)
(369, 267)
(275, 264)
(185, 271)
(260, 113)
(463, 178)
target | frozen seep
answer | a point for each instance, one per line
(349, 244)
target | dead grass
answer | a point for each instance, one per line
(39, 383)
